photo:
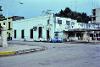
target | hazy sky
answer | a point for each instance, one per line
(31, 8)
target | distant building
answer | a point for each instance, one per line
(96, 15)
(14, 18)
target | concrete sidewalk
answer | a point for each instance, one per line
(19, 49)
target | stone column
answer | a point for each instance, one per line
(4, 36)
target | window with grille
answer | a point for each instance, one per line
(59, 21)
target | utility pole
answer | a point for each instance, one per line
(93, 4)
(48, 13)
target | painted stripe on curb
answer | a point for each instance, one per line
(10, 53)
(5, 53)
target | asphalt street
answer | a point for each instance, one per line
(56, 55)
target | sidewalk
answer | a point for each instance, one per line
(84, 41)
(19, 49)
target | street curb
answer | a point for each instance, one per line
(6, 53)
(11, 53)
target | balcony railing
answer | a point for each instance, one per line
(83, 26)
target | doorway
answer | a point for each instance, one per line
(48, 35)
(40, 32)
(31, 33)
(22, 34)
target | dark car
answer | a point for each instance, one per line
(56, 40)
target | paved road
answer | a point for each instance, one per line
(57, 55)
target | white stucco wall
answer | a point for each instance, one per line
(61, 27)
(28, 24)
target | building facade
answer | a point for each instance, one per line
(69, 29)
(45, 28)
(8, 23)
(35, 29)
(96, 15)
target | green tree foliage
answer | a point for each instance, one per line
(68, 13)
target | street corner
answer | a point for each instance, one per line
(19, 49)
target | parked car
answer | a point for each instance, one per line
(98, 38)
(56, 40)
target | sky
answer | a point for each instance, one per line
(32, 8)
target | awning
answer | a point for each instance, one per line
(84, 30)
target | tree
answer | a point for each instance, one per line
(1, 15)
(61, 14)
(67, 12)
(80, 17)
